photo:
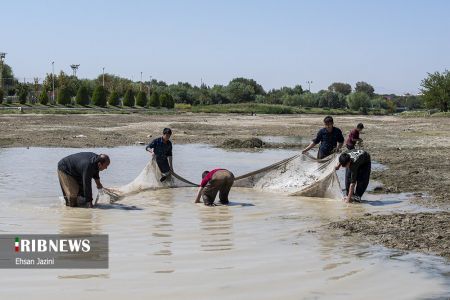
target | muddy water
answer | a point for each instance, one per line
(162, 246)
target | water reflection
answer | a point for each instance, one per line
(216, 226)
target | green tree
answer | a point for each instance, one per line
(64, 96)
(128, 99)
(1, 96)
(163, 100)
(100, 96)
(82, 97)
(22, 91)
(43, 97)
(141, 99)
(154, 100)
(114, 98)
(436, 90)
(364, 87)
(340, 87)
(358, 101)
(170, 103)
(240, 92)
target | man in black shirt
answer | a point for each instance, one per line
(357, 173)
(329, 137)
(162, 149)
(75, 173)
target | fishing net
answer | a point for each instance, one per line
(299, 175)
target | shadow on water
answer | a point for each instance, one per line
(118, 206)
(380, 203)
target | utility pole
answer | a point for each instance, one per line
(140, 86)
(309, 85)
(53, 82)
(103, 76)
(2, 59)
(74, 69)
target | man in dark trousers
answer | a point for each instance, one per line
(329, 137)
(162, 149)
(75, 173)
(217, 180)
(357, 173)
(353, 137)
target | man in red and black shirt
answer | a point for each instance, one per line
(217, 180)
(353, 137)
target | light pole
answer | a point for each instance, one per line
(309, 85)
(74, 69)
(150, 86)
(2, 59)
(103, 76)
(53, 82)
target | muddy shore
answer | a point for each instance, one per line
(415, 150)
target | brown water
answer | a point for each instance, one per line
(162, 246)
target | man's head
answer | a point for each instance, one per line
(103, 162)
(167, 132)
(344, 160)
(328, 123)
(204, 174)
(360, 126)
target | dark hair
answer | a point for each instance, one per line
(328, 119)
(167, 131)
(204, 174)
(103, 159)
(344, 159)
(360, 126)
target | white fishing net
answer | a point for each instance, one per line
(300, 175)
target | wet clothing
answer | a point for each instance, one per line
(358, 172)
(328, 141)
(352, 139)
(81, 168)
(220, 181)
(162, 151)
(70, 188)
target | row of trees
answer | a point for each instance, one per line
(115, 90)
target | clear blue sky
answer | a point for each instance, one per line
(390, 44)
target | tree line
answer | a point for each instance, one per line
(113, 90)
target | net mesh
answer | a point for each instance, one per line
(299, 175)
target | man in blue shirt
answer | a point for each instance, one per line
(329, 137)
(162, 149)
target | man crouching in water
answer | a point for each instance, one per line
(217, 180)
(75, 173)
(357, 173)
(162, 149)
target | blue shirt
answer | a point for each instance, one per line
(161, 149)
(328, 140)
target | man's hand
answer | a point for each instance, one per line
(304, 151)
(346, 199)
(337, 167)
(100, 186)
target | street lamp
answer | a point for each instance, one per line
(53, 82)
(74, 69)
(309, 85)
(2, 59)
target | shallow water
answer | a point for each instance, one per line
(263, 246)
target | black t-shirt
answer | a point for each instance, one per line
(358, 159)
(162, 150)
(328, 140)
(83, 167)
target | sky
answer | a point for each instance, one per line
(389, 44)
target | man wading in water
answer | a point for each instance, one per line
(217, 180)
(162, 149)
(329, 137)
(353, 137)
(357, 173)
(75, 173)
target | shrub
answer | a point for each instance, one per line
(114, 99)
(128, 99)
(358, 101)
(154, 100)
(64, 96)
(141, 99)
(82, 97)
(43, 97)
(99, 97)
